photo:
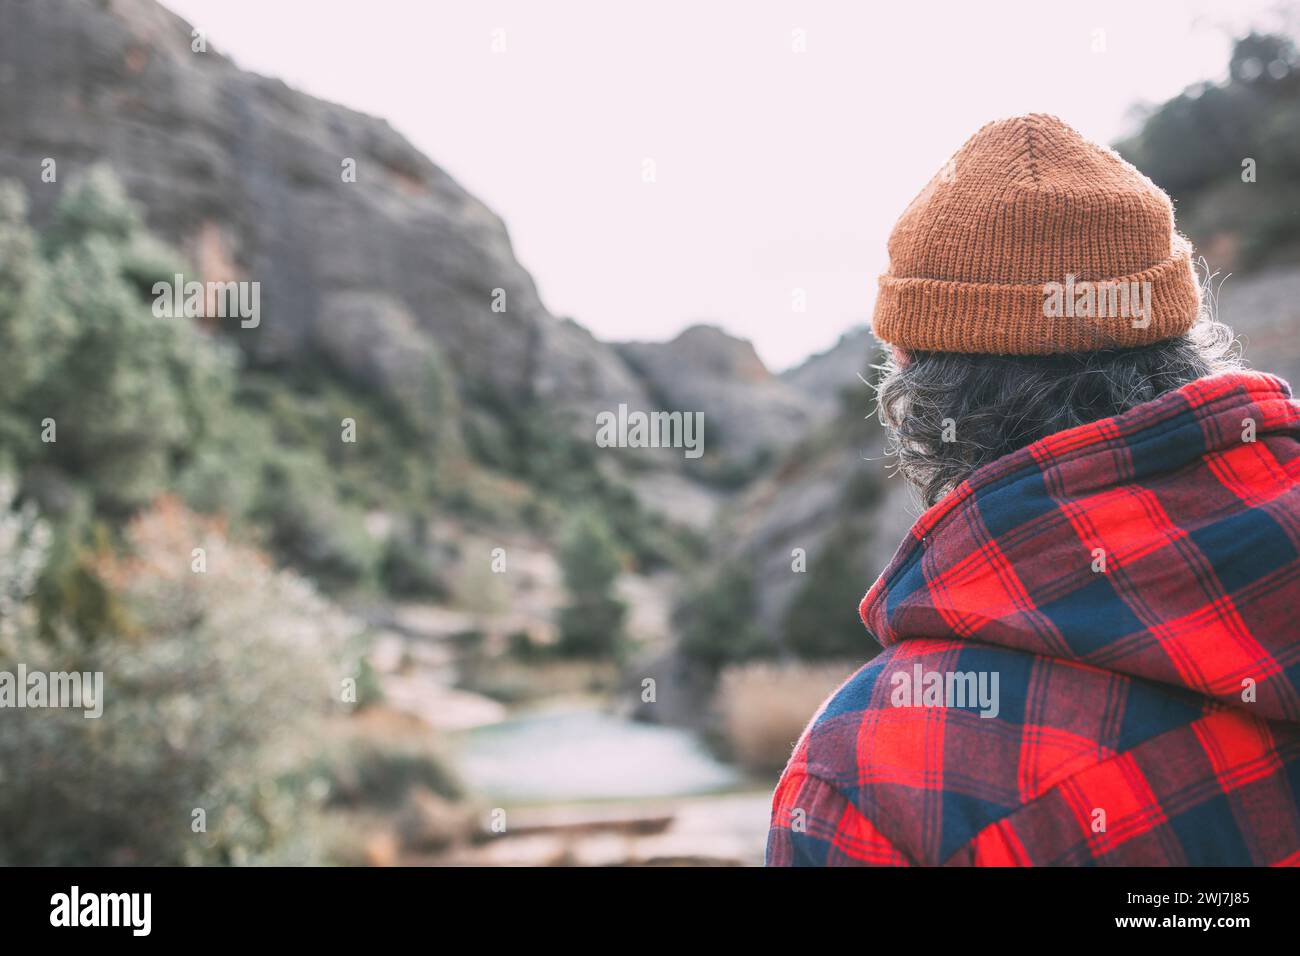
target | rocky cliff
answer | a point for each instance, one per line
(827, 374)
(747, 409)
(391, 277)
(395, 275)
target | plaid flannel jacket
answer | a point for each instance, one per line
(1091, 656)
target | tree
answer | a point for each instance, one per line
(131, 393)
(822, 621)
(591, 625)
(32, 326)
(96, 388)
(1195, 144)
(718, 622)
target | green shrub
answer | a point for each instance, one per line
(129, 394)
(380, 778)
(406, 569)
(591, 625)
(306, 523)
(214, 699)
(822, 621)
(717, 621)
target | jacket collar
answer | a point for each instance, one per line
(970, 564)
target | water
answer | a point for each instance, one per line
(585, 754)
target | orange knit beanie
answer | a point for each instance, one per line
(1033, 240)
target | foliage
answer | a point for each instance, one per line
(591, 625)
(141, 404)
(540, 447)
(822, 621)
(717, 621)
(380, 777)
(213, 701)
(1194, 146)
(406, 568)
(126, 395)
(305, 521)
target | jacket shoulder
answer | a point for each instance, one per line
(1217, 791)
(933, 741)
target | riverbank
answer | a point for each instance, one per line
(713, 830)
(558, 777)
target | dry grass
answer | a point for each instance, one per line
(764, 707)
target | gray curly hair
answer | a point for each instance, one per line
(947, 413)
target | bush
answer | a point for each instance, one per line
(306, 524)
(129, 394)
(717, 621)
(382, 778)
(1194, 144)
(213, 700)
(591, 625)
(822, 621)
(140, 404)
(406, 568)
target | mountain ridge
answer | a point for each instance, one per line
(246, 176)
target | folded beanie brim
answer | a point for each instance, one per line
(974, 317)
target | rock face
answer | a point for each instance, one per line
(825, 375)
(805, 501)
(795, 508)
(391, 279)
(583, 375)
(746, 408)
(246, 176)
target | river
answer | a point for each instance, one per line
(587, 787)
(583, 753)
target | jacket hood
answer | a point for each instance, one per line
(1163, 544)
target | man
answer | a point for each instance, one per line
(1091, 648)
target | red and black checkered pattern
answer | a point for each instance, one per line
(1131, 587)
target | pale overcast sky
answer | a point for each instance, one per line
(775, 170)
